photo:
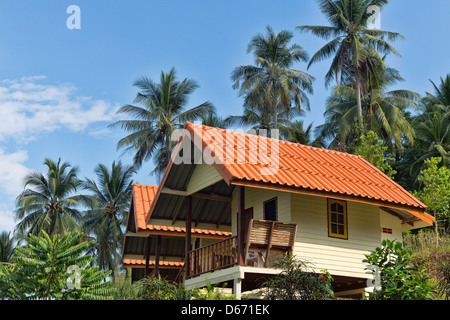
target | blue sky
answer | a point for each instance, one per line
(60, 88)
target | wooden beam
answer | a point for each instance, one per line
(269, 244)
(147, 256)
(175, 192)
(200, 214)
(224, 214)
(212, 196)
(187, 246)
(158, 253)
(180, 205)
(198, 195)
(240, 227)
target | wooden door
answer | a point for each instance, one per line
(247, 216)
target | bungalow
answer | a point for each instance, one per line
(230, 203)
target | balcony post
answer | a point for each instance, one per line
(147, 256)
(187, 246)
(240, 227)
(158, 253)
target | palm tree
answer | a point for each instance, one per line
(261, 117)
(271, 81)
(434, 134)
(110, 201)
(352, 44)
(163, 110)
(441, 98)
(384, 112)
(46, 204)
(295, 132)
(6, 246)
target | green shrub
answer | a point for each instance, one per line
(152, 288)
(295, 282)
(400, 276)
(210, 292)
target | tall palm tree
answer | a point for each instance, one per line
(48, 202)
(163, 110)
(110, 200)
(384, 112)
(271, 81)
(352, 43)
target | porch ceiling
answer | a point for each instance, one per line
(208, 206)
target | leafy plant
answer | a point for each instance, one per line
(152, 288)
(210, 292)
(401, 275)
(436, 189)
(295, 282)
(54, 268)
(373, 150)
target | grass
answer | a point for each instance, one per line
(435, 258)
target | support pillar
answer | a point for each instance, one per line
(147, 256)
(240, 226)
(187, 246)
(237, 288)
(158, 253)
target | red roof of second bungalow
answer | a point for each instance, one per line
(143, 196)
(299, 167)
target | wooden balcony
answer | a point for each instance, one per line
(216, 256)
(266, 241)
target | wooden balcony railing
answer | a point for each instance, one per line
(215, 256)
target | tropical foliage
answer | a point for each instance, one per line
(48, 202)
(356, 50)
(110, 202)
(271, 84)
(164, 109)
(53, 268)
(401, 275)
(297, 282)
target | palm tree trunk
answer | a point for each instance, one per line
(358, 99)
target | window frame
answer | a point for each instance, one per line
(276, 208)
(345, 223)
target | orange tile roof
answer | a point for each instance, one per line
(141, 262)
(194, 231)
(143, 196)
(301, 167)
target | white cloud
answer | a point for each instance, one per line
(29, 107)
(12, 172)
(7, 222)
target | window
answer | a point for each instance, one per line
(270, 210)
(337, 219)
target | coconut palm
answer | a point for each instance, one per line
(261, 117)
(48, 202)
(434, 134)
(441, 98)
(294, 131)
(352, 44)
(384, 112)
(271, 81)
(164, 109)
(110, 201)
